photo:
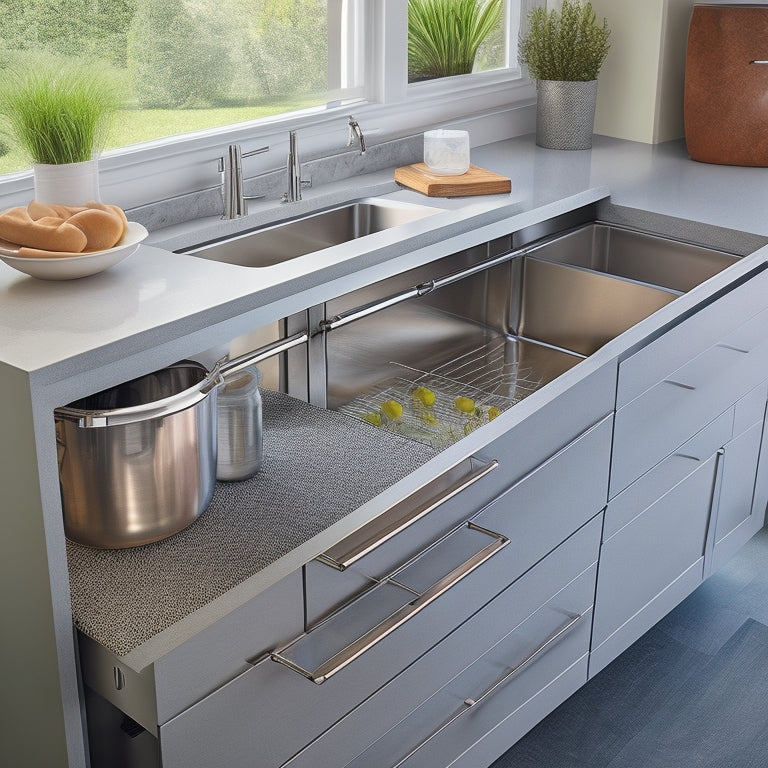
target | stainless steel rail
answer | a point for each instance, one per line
(418, 290)
(399, 617)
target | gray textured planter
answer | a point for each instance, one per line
(565, 113)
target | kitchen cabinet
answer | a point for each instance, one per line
(159, 307)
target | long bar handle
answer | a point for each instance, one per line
(374, 636)
(370, 537)
(470, 703)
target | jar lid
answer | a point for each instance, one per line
(242, 384)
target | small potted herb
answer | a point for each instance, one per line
(444, 35)
(58, 113)
(564, 51)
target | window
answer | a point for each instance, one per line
(203, 73)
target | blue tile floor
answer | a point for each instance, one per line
(691, 693)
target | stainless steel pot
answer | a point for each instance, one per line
(137, 462)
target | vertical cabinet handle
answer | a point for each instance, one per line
(398, 617)
(473, 702)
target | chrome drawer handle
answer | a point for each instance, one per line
(680, 384)
(734, 349)
(399, 617)
(470, 703)
(396, 519)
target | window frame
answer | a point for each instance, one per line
(493, 101)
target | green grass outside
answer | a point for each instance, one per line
(133, 126)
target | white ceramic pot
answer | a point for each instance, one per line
(67, 184)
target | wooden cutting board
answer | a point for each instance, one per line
(476, 181)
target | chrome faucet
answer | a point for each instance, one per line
(356, 132)
(295, 182)
(231, 168)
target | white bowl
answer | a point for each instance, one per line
(80, 264)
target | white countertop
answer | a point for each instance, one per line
(55, 329)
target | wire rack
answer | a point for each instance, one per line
(441, 406)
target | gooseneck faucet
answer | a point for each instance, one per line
(356, 132)
(231, 168)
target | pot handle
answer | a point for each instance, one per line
(224, 366)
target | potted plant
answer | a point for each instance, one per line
(59, 114)
(444, 35)
(564, 51)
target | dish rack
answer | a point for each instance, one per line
(469, 391)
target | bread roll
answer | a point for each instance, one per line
(102, 229)
(48, 233)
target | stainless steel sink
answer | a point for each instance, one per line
(298, 237)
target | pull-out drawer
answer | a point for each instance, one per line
(538, 511)
(272, 710)
(528, 620)
(689, 387)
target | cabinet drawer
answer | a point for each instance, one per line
(536, 606)
(685, 341)
(548, 504)
(651, 563)
(532, 609)
(539, 511)
(668, 473)
(395, 537)
(663, 417)
(289, 709)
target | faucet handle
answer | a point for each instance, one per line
(355, 132)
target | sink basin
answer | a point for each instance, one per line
(287, 240)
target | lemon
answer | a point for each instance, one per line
(493, 412)
(465, 404)
(373, 418)
(424, 396)
(392, 409)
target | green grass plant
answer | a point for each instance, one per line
(444, 35)
(58, 112)
(564, 45)
(135, 126)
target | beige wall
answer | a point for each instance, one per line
(640, 91)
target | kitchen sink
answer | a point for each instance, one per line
(287, 240)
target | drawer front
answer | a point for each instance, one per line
(201, 665)
(537, 512)
(668, 473)
(648, 554)
(662, 418)
(273, 711)
(493, 690)
(685, 341)
(547, 505)
(536, 606)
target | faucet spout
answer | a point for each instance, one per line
(295, 182)
(356, 132)
(231, 168)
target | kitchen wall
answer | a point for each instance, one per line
(640, 91)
